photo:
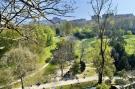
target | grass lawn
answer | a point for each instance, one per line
(130, 46)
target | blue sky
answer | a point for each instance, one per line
(84, 9)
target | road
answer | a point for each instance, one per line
(62, 83)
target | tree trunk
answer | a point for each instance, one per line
(103, 59)
(100, 78)
(61, 67)
(22, 82)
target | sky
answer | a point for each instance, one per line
(84, 9)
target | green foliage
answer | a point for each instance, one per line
(131, 60)
(109, 67)
(117, 38)
(129, 47)
(120, 82)
(64, 52)
(75, 68)
(122, 74)
(82, 66)
(65, 28)
(108, 81)
(21, 61)
(102, 86)
(118, 50)
(120, 57)
(40, 36)
(44, 35)
(47, 60)
(5, 76)
(129, 32)
(8, 39)
(85, 33)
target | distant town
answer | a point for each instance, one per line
(82, 20)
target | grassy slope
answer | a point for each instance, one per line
(130, 46)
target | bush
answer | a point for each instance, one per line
(129, 33)
(47, 60)
(84, 35)
(82, 66)
(120, 82)
(131, 79)
(108, 81)
(75, 68)
(102, 86)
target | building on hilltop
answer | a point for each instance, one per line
(107, 15)
(94, 17)
(124, 15)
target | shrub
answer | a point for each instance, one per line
(75, 68)
(82, 66)
(131, 79)
(129, 32)
(120, 82)
(102, 86)
(108, 81)
(47, 60)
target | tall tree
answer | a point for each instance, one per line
(109, 68)
(15, 12)
(101, 7)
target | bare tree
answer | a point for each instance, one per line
(15, 12)
(64, 54)
(101, 7)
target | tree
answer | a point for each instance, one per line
(64, 54)
(39, 37)
(22, 61)
(118, 52)
(101, 7)
(65, 28)
(83, 52)
(120, 57)
(16, 12)
(109, 68)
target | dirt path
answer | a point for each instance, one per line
(62, 83)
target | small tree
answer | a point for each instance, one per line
(22, 61)
(64, 54)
